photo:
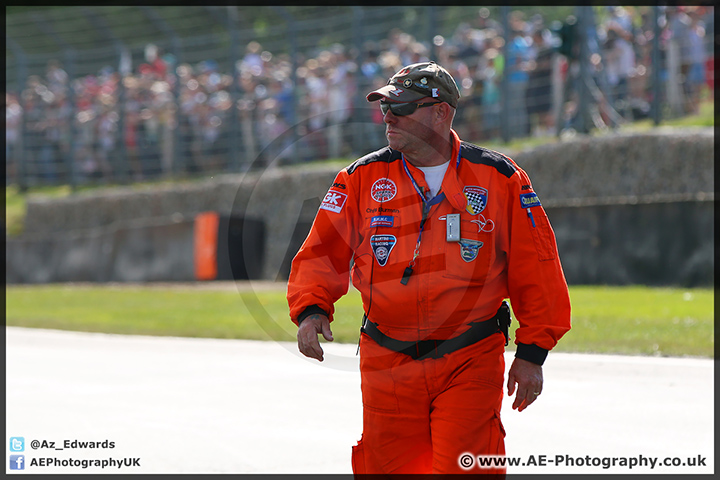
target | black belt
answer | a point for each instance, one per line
(438, 348)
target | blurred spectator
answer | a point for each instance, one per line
(707, 19)
(155, 64)
(539, 91)
(468, 50)
(687, 50)
(318, 104)
(342, 89)
(401, 45)
(252, 62)
(369, 67)
(619, 57)
(490, 76)
(517, 75)
(57, 78)
(132, 119)
(692, 50)
(13, 120)
(106, 135)
(484, 22)
(466, 114)
(370, 117)
(641, 88)
(276, 115)
(32, 135)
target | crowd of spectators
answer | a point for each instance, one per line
(686, 51)
(168, 117)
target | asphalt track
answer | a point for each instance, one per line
(183, 405)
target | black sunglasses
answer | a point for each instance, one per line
(403, 109)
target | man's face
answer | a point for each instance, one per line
(406, 133)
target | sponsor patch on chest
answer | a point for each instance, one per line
(476, 199)
(469, 249)
(382, 221)
(382, 245)
(383, 190)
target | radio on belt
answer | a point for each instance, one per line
(453, 227)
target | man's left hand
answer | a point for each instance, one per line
(529, 379)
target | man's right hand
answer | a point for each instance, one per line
(307, 335)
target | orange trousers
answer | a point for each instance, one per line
(422, 416)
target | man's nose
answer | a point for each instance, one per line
(389, 117)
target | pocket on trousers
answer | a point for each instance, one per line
(376, 378)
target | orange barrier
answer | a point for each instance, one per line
(206, 245)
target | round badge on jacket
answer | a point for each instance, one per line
(383, 190)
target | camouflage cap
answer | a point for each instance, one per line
(419, 80)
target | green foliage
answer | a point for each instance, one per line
(16, 200)
(14, 210)
(704, 118)
(637, 319)
(624, 320)
(32, 8)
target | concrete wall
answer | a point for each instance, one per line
(663, 243)
(592, 188)
(139, 251)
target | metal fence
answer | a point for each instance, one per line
(122, 94)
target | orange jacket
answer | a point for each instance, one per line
(367, 227)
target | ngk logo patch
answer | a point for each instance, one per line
(383, 190)
(334, 201)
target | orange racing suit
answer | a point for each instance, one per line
(376, 226)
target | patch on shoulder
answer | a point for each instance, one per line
(528, 200)
(334, 201)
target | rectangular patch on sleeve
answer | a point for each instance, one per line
(382, 221)
(528, 200)
(334, 201)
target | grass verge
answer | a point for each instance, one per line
(620, 320)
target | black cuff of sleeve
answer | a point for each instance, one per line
(311, 310)
(531, 353)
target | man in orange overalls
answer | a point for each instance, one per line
(436, 233)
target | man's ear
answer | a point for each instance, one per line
(443, 112)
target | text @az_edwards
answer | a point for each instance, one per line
(71, 444)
